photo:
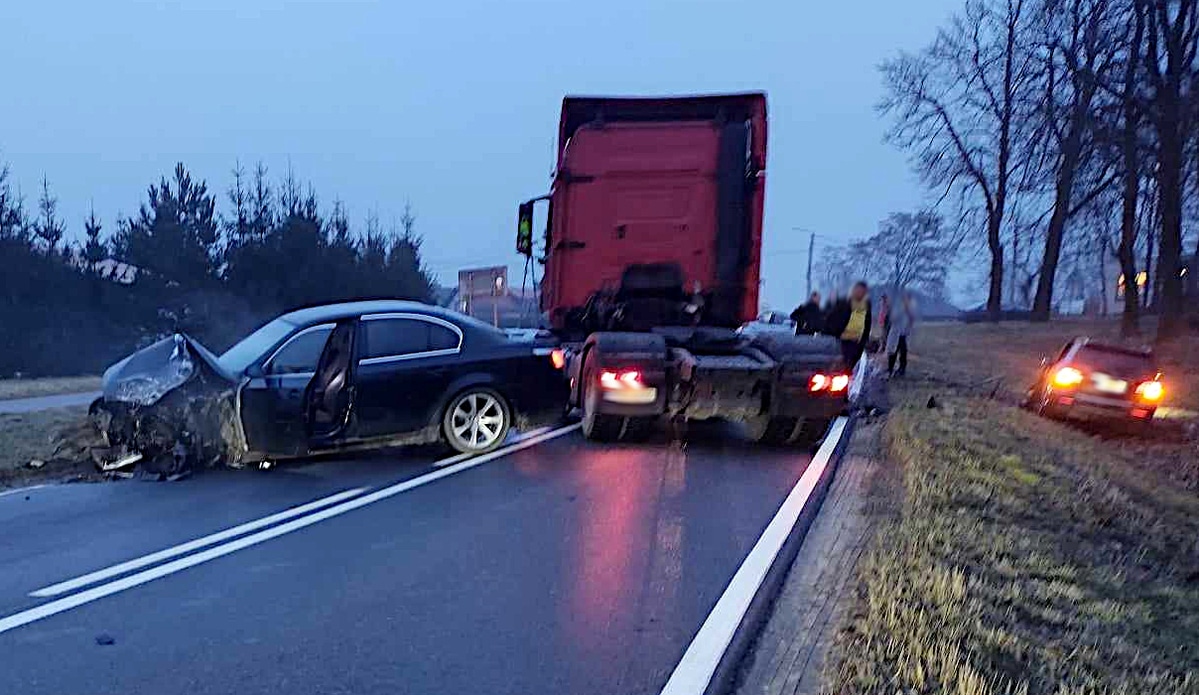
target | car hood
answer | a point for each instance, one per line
(147, 375)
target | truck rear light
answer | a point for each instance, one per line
(627, 379)
(833, 383)
(558, 357)
(1151, 391)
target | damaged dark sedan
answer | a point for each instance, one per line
(327, 378)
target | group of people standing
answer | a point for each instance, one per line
(849, 319)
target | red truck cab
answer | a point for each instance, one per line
(638, 182)
(652, 257)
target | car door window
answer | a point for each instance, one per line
(393, 337)
(300, 354)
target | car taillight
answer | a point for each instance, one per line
(627, 379)
(1151, 391)
(1067, 377)
(558, 357)
(833, 383)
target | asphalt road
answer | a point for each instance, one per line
(62, 400)
(565, 567)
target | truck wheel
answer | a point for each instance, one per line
(597, 426)
(811, 431)
(639, 429)
(774, 431)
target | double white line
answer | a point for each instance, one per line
(329, 507)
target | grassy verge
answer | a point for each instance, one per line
(1023, 555)
(51, 386)
(50, 436)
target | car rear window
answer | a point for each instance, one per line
(1115, 362)
(393, 337)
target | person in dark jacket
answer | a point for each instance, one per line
(849, 321)
(809, 318)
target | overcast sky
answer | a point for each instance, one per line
(448, 104)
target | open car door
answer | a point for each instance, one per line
(329, 397)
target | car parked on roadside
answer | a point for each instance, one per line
(1089, 379)
(334, 377)
(768, 323)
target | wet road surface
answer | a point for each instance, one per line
(564, 567)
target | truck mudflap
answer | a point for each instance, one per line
(802, 359)
(167, 409)
(636, 364)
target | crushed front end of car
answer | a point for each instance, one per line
(167, 410)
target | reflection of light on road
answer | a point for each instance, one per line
(628, 561)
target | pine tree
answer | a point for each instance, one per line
(95, 249)
(48, 227)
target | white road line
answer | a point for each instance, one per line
(519, 438)
(694, 672)
(21, 489)
(74, 600)
(183, 548)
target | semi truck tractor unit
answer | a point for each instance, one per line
(652, 250)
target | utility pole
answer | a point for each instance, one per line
(811, 252)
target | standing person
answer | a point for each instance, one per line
(809, 317)
(902, 324)
(884, 319)
(849, 321)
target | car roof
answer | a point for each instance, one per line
(334, 312)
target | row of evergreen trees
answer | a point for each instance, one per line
(213, 275)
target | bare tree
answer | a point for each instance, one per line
(1172, 45)
(956, 107)
(1131, 172)
(1078, 38)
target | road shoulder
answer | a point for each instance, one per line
(790, 652)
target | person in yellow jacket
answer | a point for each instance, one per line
(849, 321)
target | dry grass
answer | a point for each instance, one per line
(51, 386)
(51, 436)
(1024, 555)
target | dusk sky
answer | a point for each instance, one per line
(450, 105)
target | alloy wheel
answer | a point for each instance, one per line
(477, 421)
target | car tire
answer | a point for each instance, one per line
(597, 426)
(476, 421)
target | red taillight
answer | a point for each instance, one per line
(558, 357)
(840, 383)
(1068, 377)
(818, 382)
(627, 379)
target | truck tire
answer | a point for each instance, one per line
(810, 431)
(772, 431)
(597, 426)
